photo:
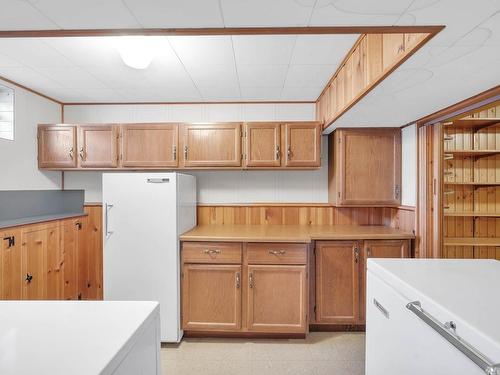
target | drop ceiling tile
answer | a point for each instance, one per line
(262, 75)
(20, 15)
(102, 95)
(213, 75)
(221, 93)
(244, 13)
(261, 93)
(263, 49)
(87, 14)
(301, 93)
(71, 77)
(322, 49)
(201, 50)
(7, 62)
(164, 94)
(309, 75)
(119, 76)
(33, 52)
(176, 13)
(29, 78)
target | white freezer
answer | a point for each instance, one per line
(401, 341)
(143, 216)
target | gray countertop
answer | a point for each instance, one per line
(38, 219)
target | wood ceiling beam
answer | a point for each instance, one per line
(219, 31)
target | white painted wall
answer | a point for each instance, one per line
(18, 158)
(215, 186)
(409, 165)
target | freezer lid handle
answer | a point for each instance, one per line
(158, 180)
(447, 331)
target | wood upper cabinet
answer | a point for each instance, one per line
(365, 167)
(337, 282)
(11, 273)
(57, 146)
(262, 144)
(302, 144)
(277, 298)
(379, 249)
(149, 145)
(98, 146)
(211, 297)
(212, 145)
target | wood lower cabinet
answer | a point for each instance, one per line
(366, 167)
(150, 145)
(302, 144)
(262, 144)
(54, 260)
(212, 145)
(11, 271)
(211, 297)
(277, 298)
(98, 146)
(56, 146)
(379, 249)
(264, 290)
(337, 282)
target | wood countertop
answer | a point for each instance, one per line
(291, 233)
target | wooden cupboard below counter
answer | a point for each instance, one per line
(160, 146)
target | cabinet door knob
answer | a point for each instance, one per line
(175, 152)
(356, 255)
(369, 252)
(250, 280)
(28, 278)
(289, 153)
(278, 153)
(238, 282)
(71, 153)
(82, 154)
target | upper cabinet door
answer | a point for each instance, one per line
(262, 145)
(56, 146)
(212, 145)
(97, 146)
(150, 145)
(367, 167)
(303, 144)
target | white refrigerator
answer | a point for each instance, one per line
(143, 216)
(432, 316)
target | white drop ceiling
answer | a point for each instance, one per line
(459, 62)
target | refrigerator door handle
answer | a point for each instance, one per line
(107, 207)
(158, 180)
(487, 365)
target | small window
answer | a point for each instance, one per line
(6, 113)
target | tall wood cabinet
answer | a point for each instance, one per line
(366, 167)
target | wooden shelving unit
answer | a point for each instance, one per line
(470, 190)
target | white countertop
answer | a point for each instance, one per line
(468, 288)
(68, 337)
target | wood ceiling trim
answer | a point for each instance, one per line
(209, 102)
(219, 31)
(463, 108)
(30, 90)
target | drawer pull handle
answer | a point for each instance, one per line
(277, 252)
(212, 251)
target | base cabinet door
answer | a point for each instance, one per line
(69, 249)
(11, 274)
(211, 297)
(337, 282)
(97, 146)
(277, 299)
(379, 249)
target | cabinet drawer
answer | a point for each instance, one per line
(276, 253)
(211, 252)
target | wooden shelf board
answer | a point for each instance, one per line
(472, 214)
(471, 241)
(472, 183)
(472, 152)
(475, 123)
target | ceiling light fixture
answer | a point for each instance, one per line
(136, 51)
